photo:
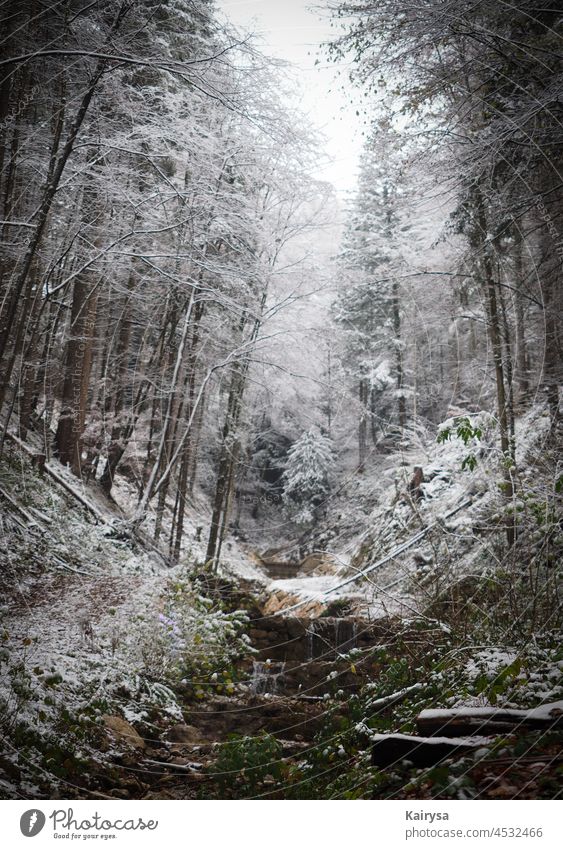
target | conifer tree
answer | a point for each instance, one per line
(306, 477)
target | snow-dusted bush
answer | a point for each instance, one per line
(194, 642)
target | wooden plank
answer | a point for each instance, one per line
(391, 556)
(390, 749)
(460, 722)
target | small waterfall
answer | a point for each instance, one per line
(345, 632)
(311, 632)
(329, 638)
(266, 677)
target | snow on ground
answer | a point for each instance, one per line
(84, 637)
(314, 587)
(93, 624)
(238, 562)
(321, 590)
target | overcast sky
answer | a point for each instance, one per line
(291, 30)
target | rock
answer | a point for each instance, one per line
(277, 601)
(318, 564)
(179, 761)
(296, 628)
(422, 559)
(313, 609)
(504, 791)
(258, 635)
(159, 794)
(311, 561)
(186, 735)
(123, 731)
(156, 753)
(120, 793)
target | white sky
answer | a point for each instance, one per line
(293, 31)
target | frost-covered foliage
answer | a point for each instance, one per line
(196, 642)
(190, 146)
(93, 648)
(306, 477)
(367, 309)
(484, 319)
(64, 537)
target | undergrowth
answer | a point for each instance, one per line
(423, 669)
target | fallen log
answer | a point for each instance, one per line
(124, 528)
(390, 749)
(30, 521)
(36, 456)
(463, 721)
(82, 500)
(58, 478)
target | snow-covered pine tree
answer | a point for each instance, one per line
(368, 309)
(306, 476)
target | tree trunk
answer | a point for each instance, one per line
(118, 401)
(48, 192)
(78, 364)
(362, 426)
(552, 295)
(224, 474)
(230, 446)
(520, 327)
(401, 403)
(150, 487)
(490, 291)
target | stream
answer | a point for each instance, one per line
(284, 691)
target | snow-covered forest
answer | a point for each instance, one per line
(280, 466)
